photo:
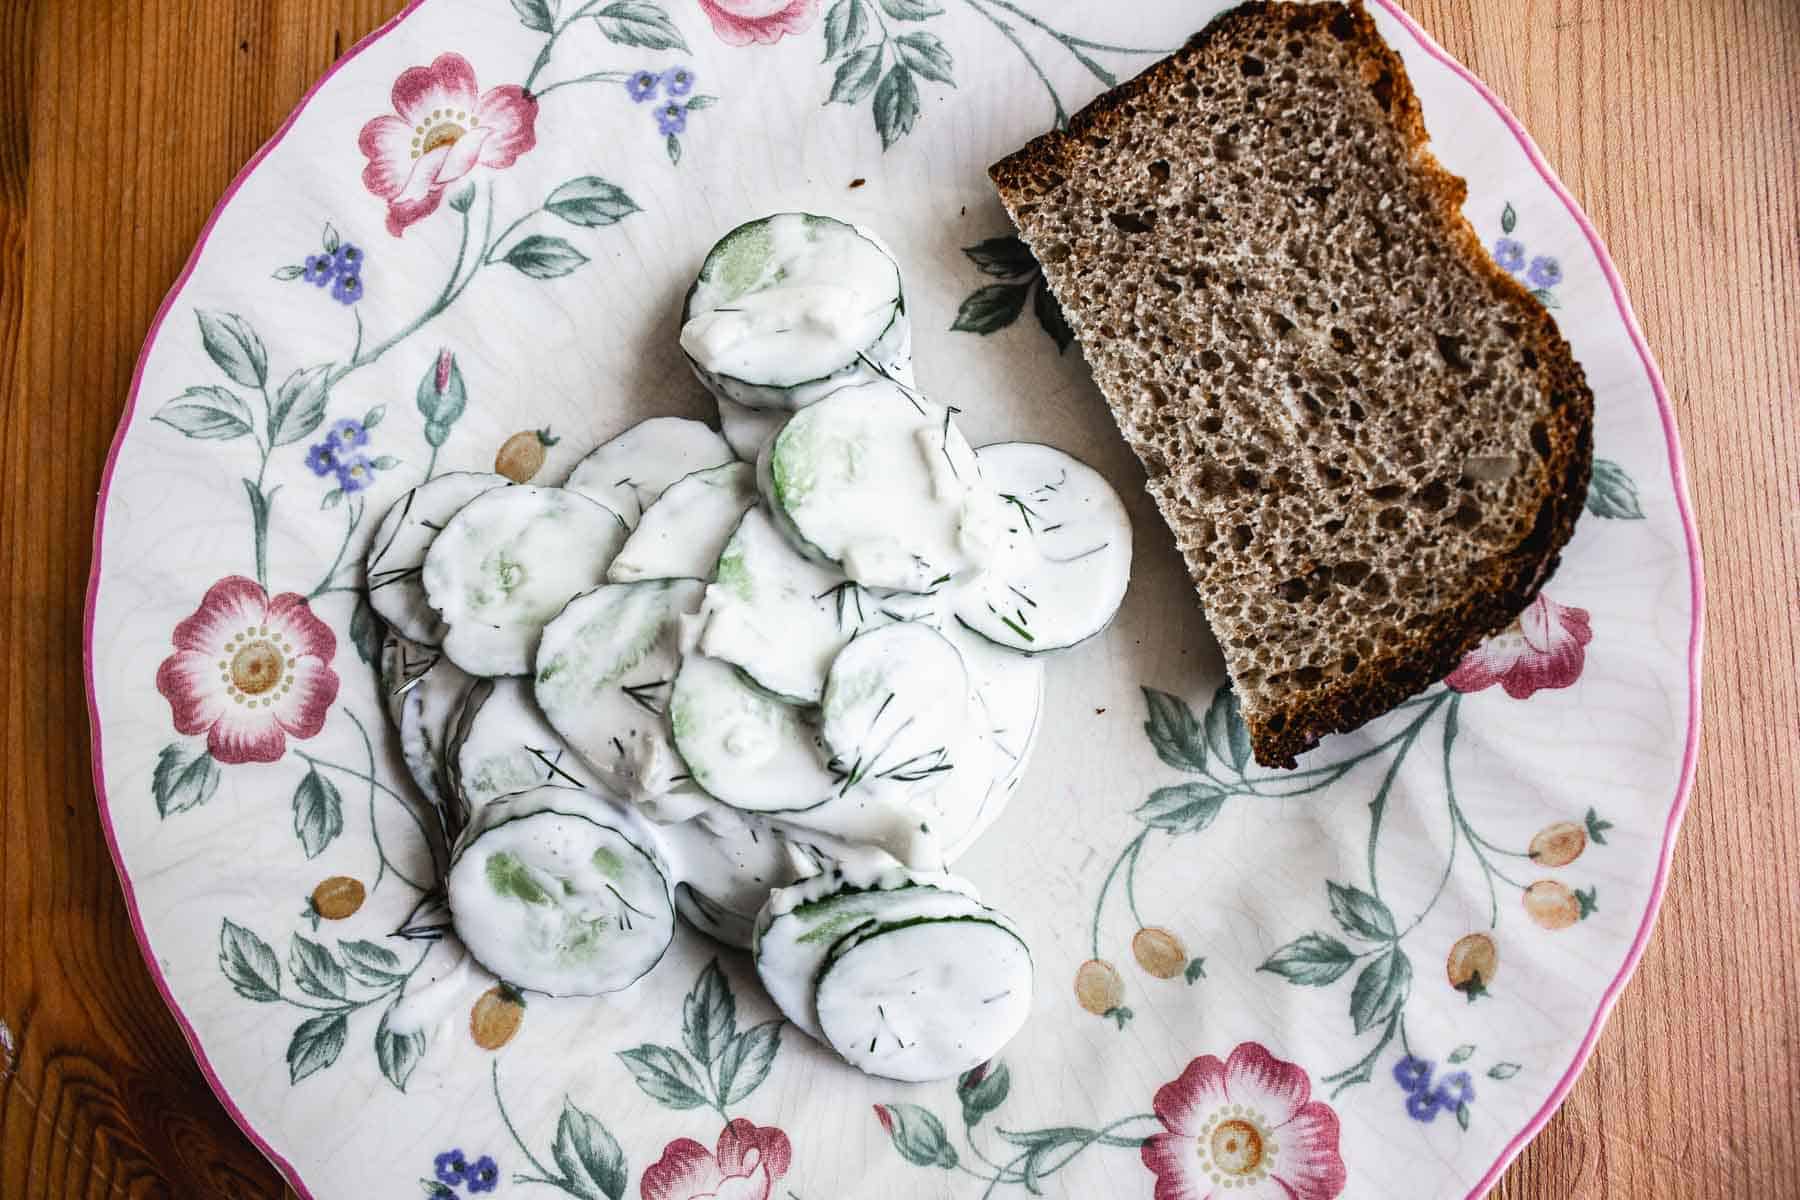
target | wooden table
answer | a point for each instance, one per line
(1676, 123)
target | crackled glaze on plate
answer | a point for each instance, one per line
(466, 251)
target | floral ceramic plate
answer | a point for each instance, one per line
(1374, 976)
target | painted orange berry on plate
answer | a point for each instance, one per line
(522, 455)
(1552, 904)
(1558, 845)
(496, 1017)
(1471, 964)
(1099, 987)
(338, 897)
(1159, 952)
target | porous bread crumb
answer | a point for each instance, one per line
(1369, 441)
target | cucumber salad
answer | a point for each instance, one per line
(772, 681)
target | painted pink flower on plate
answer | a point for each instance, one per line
(1246, 1128)
(249, 672)
(1544, 648)
(740, 22)
(445, 130)
(745, 1165)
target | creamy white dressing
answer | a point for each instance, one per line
(507, 562)
(444, 985)
(797, 739)
(397, 552)
(605, 669)
(800, 924)
(681, 535)
(747, 430)
(873, 478)
(1065, 558)
(557, 890)
(776, 615)
(792, 300)
(502, 744)
(927, 1000)
(629, 473)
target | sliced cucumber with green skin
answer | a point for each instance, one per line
(607, 665)
(396, 558)
(924, 997)
(502, 744)
(628, 473)
(507, 563)
(726, 873)
(680, 536)
(743, 746)
(1068, 557)
(779, 617)
(791, 306)
(555, 891)
(404, 663)
(425, 692)
(798, 925)
(895, 706)
(880, 481)
(747, 430)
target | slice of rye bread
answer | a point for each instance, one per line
(1370, 442)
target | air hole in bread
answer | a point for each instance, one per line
(1450, 348)
(1432, 496)
(1540, 439)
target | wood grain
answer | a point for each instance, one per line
(1675, 122)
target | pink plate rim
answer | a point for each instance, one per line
(1678, 477)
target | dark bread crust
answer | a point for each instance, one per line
(1498, 587)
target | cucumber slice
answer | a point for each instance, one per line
(607, 664)
(551, 892)
(507, 563)
(425, 692)
(743, 746)
(790, 307)
(1068, 556)
(779, 617)
(1007, 687)
(922, 998)
(1007, 691)
(879, 480)
(799, 924)
(681, 535)
(895, 706)
(727, 870)
(502, 745)
(748, 430)
(396, 557)
(403, 664)
(628, 473)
